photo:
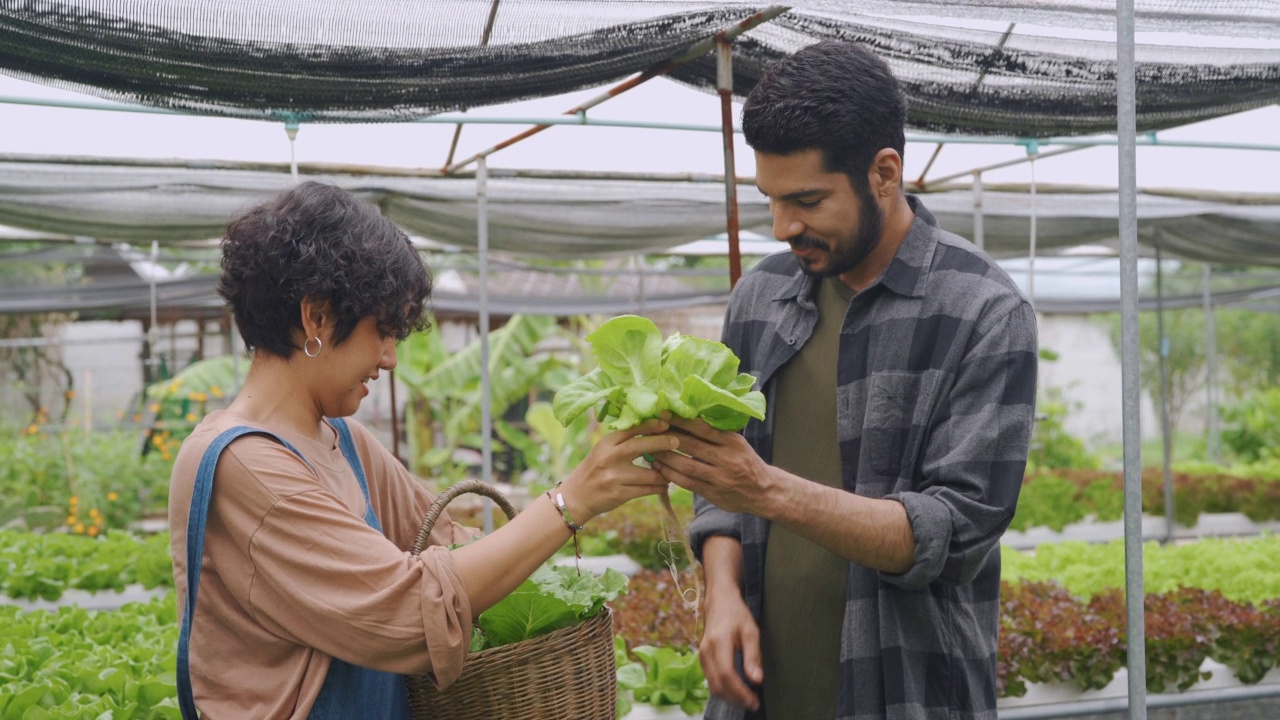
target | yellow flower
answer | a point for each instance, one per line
(215, 391)
(157, 440)
(69, 394)
(137, 417)
(199, 396)
(155, 407)
(71, 519)
(166, 456)
(79, 528)
(95, 514)
(113, 496)
(191, 417)
(74, 500)
(33, 430)
(93, 531)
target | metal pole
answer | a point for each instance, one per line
(724, 86)
(1031, 257)
(979, 232)
(1165, 430)
(1211, 370)
(486, 399)
(698, 50)
(152, 331)
(1126, 131)
(484, 41)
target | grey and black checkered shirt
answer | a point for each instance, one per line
(935, 395)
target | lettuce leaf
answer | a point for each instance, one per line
(552, 598)
(640, 375)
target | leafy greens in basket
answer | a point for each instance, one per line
(640, 375)
(552, 598)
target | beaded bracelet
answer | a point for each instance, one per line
(558, 500)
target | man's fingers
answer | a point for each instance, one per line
(752, 663)
(697, 428)
(728, 684)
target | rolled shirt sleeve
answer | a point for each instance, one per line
(975, 456)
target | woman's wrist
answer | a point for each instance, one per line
(572, 511)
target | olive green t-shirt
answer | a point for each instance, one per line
(804, 584)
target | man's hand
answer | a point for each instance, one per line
(720, 466)
(730, 629)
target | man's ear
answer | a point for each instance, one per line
(885, 174)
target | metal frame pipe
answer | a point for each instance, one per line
(1126, 131)
(693, 53)
(486, 397)
(724, 86)
(1211, 372)
(1166, 430)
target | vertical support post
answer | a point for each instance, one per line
(1031, 256)
(291, 129)
(1126, 131)
(1214, 428)
(979, 232)
(1165, 429)
(486, 396)
(724, 86)
(152, 331)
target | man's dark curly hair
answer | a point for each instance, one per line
(319, 241)
(837, 97)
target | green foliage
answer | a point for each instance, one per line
(445, 389)
(1249, 349)
(86, 482)
(1243, 570)
(75, 663)
(640, 375)
(663, 677)
(44, 565)
(1052, 446)
(1252, 427)
(552, 598)
(550, 449)
(182, 401)
(1185, 362)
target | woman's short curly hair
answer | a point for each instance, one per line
(321, 242)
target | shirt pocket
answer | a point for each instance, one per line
(894, 399)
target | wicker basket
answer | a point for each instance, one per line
(568, 674)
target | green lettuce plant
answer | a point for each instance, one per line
(640, 375)
(552, 598)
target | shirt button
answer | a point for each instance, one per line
(791, 341)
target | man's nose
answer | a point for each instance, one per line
(784, 226)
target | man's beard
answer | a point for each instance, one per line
(853, 248)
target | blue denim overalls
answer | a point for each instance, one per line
(349, 691)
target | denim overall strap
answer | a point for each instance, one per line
(351, 691)
(197, 518)
(348, 446)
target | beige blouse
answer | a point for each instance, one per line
(293, 576)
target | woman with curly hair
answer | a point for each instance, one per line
(291, 525)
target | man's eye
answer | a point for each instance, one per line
(808, 203)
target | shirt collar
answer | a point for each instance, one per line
(906, 274)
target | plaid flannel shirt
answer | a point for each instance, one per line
(935, 396)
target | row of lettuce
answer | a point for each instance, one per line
(1062, 621)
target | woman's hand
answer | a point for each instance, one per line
(608, 476)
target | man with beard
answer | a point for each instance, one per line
(850, 541)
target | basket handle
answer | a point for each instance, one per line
(444, 498)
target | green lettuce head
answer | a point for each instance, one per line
(640, 375)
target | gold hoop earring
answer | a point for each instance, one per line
(306, 347)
